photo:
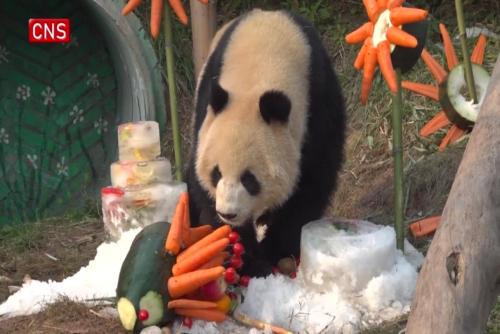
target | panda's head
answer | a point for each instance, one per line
(247, 158)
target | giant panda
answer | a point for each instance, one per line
(268, 134)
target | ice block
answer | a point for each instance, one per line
(138, 141)
(127, 174)
(139, 206)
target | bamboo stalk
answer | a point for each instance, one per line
(397, 134)
(169, 51)
(469, 77)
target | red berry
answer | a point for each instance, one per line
(238, 249)
(234, 237)
(143, 315)
(275, 270)
(293, 275)
(187, 321)
(230, 275)
(235, 262)
(244, 280)
(297, 261)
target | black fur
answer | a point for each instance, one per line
(322, 155)
(275, 106)
(218, 98)
(250, 183)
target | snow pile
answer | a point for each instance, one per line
(97, 280)
(348, 279)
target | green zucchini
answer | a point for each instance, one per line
(142, 285)
(457, 108)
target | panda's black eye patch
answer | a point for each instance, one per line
(215, 176)
(275, 106)
(250, 183)
(218, 97)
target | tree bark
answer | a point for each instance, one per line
(203, 24)
(460, 279)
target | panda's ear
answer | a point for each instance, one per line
(275, 106)
(218, 97)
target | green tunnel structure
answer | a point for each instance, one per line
(60, 104)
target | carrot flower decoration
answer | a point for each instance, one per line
(157, 12)
(456, 111)
(392, 38)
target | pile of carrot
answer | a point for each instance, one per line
(157, 12)
(370, 55)
(200, 254)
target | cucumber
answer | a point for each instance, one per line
(142, 285)
(461, 112)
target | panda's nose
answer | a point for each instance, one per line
(227, 216)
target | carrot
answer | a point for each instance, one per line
(422, 89)
(156, 14)
(202, 256)
(174, 238)
(434, 67)
(179, 11)
(190, 303)
(394, 3)
(207, 315)
(186, 220)
(452, 136)
(477, 55)
(449, 50)
(360, 34)
(186, 283)
(437, 122)
(382, 4)
(130, 6)
(217, 260)
(371, 9)
(360, 58)
(385, 63)
(401, 38)
(197, 233)
(221, 232)
(403, 15)
(425, 226)
(368, 71)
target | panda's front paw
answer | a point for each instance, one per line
(255, 267)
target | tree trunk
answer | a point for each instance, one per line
(203, 24)
(460, 279)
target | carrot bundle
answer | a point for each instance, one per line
(449, 50)
(437, 122)
(371, 9)
(203, 314)
(130, 6)
(394, 3)
(477, 55)
(190, 303)
(385, 63)
(181, 285)
(382, 4)
(425, 226)
(221, 232)
(174, 238)
(217, 260)
(360, 34)
(401, 38)
(368, 71)
(202, 256)
(452, 136)
(156, 15)
(179, 11)
(422, 89)
(404, 15)
(197, 233)
(434, 67)
(360, 58)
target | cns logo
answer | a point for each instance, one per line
(49, 30)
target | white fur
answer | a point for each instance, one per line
(267, 51)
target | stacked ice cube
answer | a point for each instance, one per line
(142, 191)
